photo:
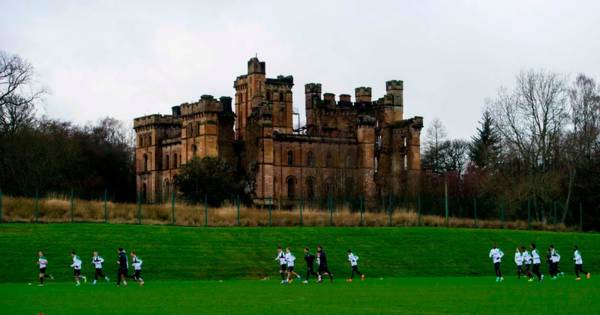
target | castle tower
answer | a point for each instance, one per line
(312, 92)
(365, 135)
(393, 101)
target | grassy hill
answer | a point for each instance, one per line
(248, 253)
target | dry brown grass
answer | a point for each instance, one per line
(21, 209)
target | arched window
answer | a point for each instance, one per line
(310, 159)
(281, 98)
(328, 160)
(290, 158)
(310, 188)
(291, 187)
(194, 150)
(167, 164)
(145, 163)
(175, 160)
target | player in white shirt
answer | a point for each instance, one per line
(578, 260)
(353, 260)
(290, 261)
(136, 262)
(97, 261)
(527, 260)
(553, 259)
(282, 264)
(76, 265)
(536, 262)
(519, 262)
(43, 264)
(496, 255)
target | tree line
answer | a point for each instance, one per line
(536, 150)
(39, 155)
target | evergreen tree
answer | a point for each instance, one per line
(485, 146)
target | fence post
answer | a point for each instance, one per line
(446, 200)
(173, 207)
(528, 213)
(205, 210)
(502, 215)
(362, 211)
(270, 210)
(419, 210)
(237, 203)
(72, 206)
(105, 206)
(301, 208)
(580, 217)
(475, 212)
(330, 206)
(390, 208)
(1, 219)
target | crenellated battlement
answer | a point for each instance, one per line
(155, 120)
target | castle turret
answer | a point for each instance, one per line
(312, 92)
(363, 94)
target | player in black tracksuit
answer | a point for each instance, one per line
(122, 262)
(323, 268)
(310, 261)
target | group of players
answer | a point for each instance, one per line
(97, 261)
(287, 262)
(528, 263)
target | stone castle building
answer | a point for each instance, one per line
(346, 148)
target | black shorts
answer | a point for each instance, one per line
(290, 268)
(43, 270)
(137, 274)
(77, 272)
(324, 269)
(282, 268)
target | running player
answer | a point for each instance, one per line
(282, 264)
(290, 261)
(76, 265)
(43, 263)
(519, 262)
(353, 259)
(496, 255)
(136, 262)
(310, 260)
(323, 267)
(578, 260)
(97, 262)
(537, 261)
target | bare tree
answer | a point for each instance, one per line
(435, 136)
(456, 155)
(17, 93)
(531, 120)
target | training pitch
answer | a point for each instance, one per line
(232, 270)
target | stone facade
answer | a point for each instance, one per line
(346, 148)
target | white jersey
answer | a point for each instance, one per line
(137, 263)
(76, 263)
(519, 259)
(97, 261)
(536, 257)
(281, 258)
(555, 257)
(353, 259)
(43, 262)
(289, 259)
(496, 255)
(577, 258)
(526, 258)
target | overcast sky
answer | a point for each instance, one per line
(127, 59)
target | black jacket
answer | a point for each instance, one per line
(310, 259)
(122, 260)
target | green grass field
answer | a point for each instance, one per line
(219, 270)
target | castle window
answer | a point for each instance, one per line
(167, 190)
(189, 130)
(405, 162)
(291, 187)
(310, 188)
(404, 140)
(175, 160)
(310, 159)
(145, 163)
(268, 95)
(167, 162)
(329, 186)
(290, 158)
(349, 161)
(143, 193)
(328, 160)
(194, 150)
(281, 96)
